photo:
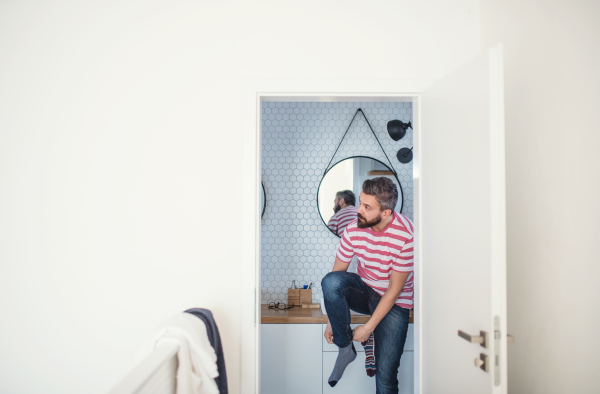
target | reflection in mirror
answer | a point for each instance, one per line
(340, 189)
(263, 200)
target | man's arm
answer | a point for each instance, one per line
(388, 299)
(339, 265)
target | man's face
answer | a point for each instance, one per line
(369, 212)
(337, 204)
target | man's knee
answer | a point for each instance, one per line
(332, 281)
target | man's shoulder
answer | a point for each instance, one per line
(403, 224)
(352, 226)
(349, 208)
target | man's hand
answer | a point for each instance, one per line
(329, 333)
(361, 333)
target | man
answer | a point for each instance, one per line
(382, 287)
(345, 211)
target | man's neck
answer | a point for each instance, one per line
(383, 224)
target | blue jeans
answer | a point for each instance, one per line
(344, 291)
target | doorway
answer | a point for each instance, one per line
(348, 141)
(253, 148)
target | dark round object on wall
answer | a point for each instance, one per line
(396, 129)
(404, 155)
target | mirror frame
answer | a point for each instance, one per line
(356, 157)
(264, 199)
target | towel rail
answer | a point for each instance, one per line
(156, 374)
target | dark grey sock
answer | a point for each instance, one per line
(345, 356)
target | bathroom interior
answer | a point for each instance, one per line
(310, 150)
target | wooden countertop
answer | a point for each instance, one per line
(299, 315)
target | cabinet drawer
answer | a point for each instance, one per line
(328, 347)
(291, 359)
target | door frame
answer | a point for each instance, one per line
(256, 92)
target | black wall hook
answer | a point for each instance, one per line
(404, 155)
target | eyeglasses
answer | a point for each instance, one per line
(279, 305)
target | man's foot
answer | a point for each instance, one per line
(345, 356)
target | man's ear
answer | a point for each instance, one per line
(342, 201)
(387, 213)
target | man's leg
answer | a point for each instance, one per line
(390, 336)
(343, 291)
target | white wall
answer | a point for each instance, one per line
(552, 59)
(120, 148)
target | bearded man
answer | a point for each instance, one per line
(382, 239)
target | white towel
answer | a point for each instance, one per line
(322, 301)
(197, 368)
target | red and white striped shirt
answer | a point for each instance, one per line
(341, 219)
(380, 252)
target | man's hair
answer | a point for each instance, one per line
(348, 197)
(384, 191)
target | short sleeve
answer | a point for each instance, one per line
(345, 250)
(332, 226)
(405, 260)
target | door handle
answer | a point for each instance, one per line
(481, 339)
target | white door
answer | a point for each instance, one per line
(461, 205)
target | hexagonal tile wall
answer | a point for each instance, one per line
(298, 140)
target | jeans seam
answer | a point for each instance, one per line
(348, 317)
(360, 291)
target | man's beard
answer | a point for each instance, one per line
(336, 208)
(362, 223)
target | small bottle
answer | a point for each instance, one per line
(294, 284)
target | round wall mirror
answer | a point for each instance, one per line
(263, 200)
(348, 175)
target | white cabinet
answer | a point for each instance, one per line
(296, 358)
(290, 359)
